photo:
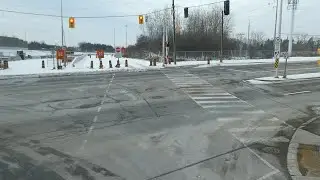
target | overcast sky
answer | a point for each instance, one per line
(260, 12)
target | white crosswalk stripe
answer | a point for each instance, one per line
(246, 123)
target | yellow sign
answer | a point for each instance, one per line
(318, 62)
(318, 51)
(276, 63)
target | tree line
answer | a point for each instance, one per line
(6, 41)
(202, 30)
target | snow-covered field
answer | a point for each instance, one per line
(269, 80)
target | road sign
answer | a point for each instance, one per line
(60, 54)
(100, 53)
(276, 63)
(276, 53)
(277, 44)
(118, 52)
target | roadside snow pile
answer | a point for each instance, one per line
(258, 61)
(268, 80)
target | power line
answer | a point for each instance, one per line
(79, 17)
(98, 17)
(205, 4)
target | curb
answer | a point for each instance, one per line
(292, 161)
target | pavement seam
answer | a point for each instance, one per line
(292, 161)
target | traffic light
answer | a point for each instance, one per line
(140, 19)
(186, 13)
(226, 7)
(72, 22)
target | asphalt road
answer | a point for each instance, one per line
(176, 123)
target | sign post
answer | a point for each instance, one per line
(60, 55)
(285, 65)
(277, 55)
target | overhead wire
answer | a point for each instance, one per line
(99, 17)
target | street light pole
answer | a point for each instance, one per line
(126, 36)
(293, 4)
(278, 49)
(275, 24)
(174, 32)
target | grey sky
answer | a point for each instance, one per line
(260, 12)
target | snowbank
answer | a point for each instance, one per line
(268, 80)
(244, 62)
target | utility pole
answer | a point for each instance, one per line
(248, 39)
(293, 5)
(174, 32)
(275, 24)
(278, 43)
(221, 43)
(114, 38)
(62, 34)
(126, 36)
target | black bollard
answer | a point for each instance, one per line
(43, 65)
(91, 65)
(155, 62)
(101, 65)
(126, 63)
(150, 62)
(110, 64)
(5, 64)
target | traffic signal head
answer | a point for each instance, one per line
(141, 19)
(226, 7)
(72, 22)
(186, 13)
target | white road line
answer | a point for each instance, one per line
(223, 106)
(269, 174)
(211, 94)
(99, 109)
(228, 119)
(215, 97)
(260, 128)
(216, 102)
(294, 93)
(237, 112)
(102, 102)
(262, 139)
(95, 118)
(90, 130)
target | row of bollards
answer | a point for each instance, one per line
(110, 64)
(4, 65)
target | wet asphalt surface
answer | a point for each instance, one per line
(153, 125)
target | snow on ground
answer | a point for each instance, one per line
(33, 66)
(256, 61)
(268, 80)
(82, 64)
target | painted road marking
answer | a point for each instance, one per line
(211, 93)
(295, 93)
(260, 128)
(96, 116)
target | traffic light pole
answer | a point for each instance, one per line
(221, 48)
(174, 33)
(62, 34)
